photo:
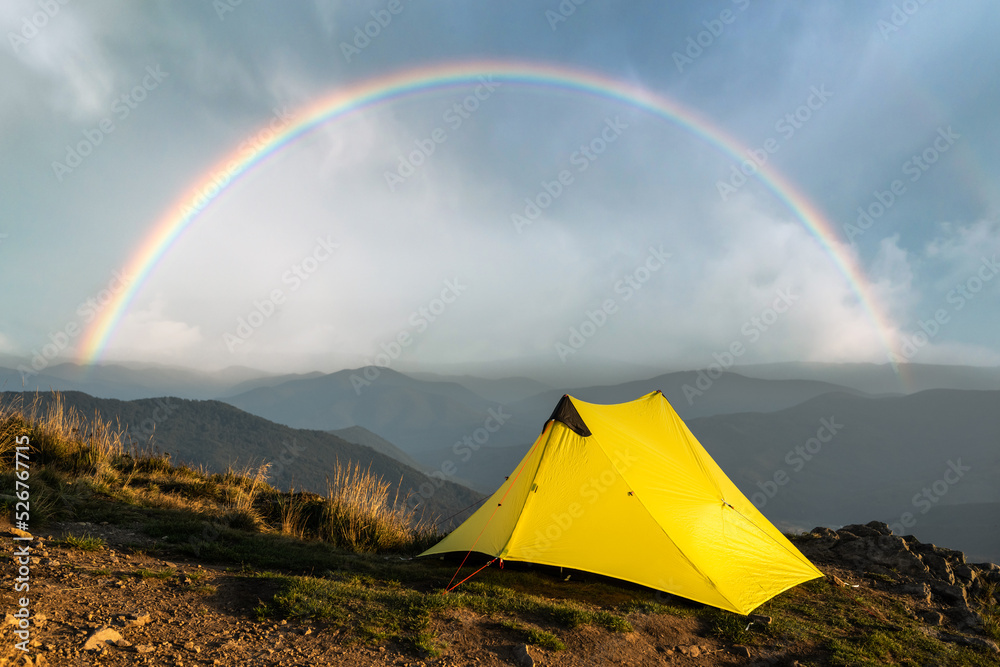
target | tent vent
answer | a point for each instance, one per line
(566, 413)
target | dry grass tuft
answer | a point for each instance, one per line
(361, 517)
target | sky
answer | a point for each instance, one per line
(522, 226)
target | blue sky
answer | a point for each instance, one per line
(740, 269)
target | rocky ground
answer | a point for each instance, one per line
(119, 605)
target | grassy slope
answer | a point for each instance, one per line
(216, 435)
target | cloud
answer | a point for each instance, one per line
(150, 334)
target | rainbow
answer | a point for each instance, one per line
(410, 82)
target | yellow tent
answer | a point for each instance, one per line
(627, 491)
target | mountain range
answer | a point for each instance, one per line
(811, 444)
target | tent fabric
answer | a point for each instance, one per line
(637, 499)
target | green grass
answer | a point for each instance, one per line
(376, 606)
(535, 636)
(84, 542)
(146, 573)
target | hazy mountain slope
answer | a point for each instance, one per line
(882, 378)
(976, 526)
(483, 470)
(728, 393)
(217, 435)
(884, 454)
(130, 381)
(412, 414)
(362, 436)
(502, 390)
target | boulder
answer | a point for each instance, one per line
(939, 567)
(880, 527)
(965, 573)
(951, 594)
(931, 616)
(965, 618)
(887, 550)
(860, 530)
(921, 591)
(522, 656)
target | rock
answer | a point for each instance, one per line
(989, 571)
(759, 618)
(522, 656)
(921, 591)
(100, 638)
(145, 648)
(965, 573)
(952, 594)
(939, 567)
(887, 550)
(741, 651)
(978, 642)
(823, 531)
(692, 650)
(956, 557)
(860, 531)
(931, 616)
(965, 618)
(880, 527)
(137, 619)
(17, 532)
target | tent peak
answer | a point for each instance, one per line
(567, 414)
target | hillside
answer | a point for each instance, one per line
(217, 435)
(412, 414)
(138, 561)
